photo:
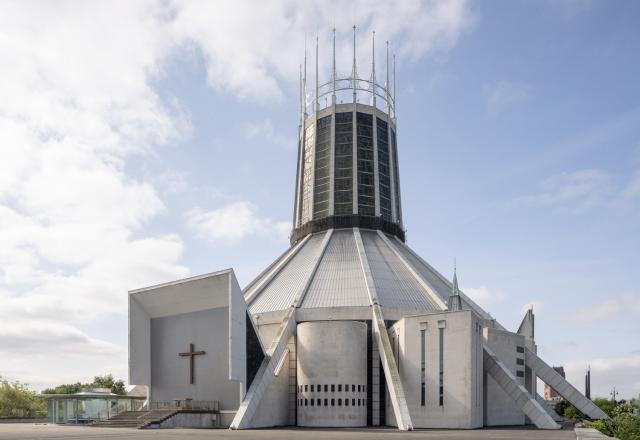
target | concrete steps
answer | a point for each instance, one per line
(136, 419)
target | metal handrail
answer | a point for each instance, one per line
(203, 405)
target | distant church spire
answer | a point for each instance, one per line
(455, 302)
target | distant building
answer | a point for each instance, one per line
(550, 393)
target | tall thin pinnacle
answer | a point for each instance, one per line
(373, 59)
(333, 71)
(317, 103)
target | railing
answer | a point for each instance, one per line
(201, 405)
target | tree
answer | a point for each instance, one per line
(561, 406)
(107, 381)
(18, 401)
(605, 405)
(104, 381)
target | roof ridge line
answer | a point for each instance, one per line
(250, 297)
(435, 298)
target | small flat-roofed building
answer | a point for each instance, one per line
(89, 406)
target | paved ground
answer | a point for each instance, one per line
(36, 432)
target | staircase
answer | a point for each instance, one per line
(136, 419)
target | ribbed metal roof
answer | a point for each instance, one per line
(396, 287)
(280, 291)
(403, 282)
(339, 281)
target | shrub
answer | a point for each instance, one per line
(17, 401)
(627, 426)
(561, 406)
(605, 405)
(604, 426)
(571, 412)
(624, 423)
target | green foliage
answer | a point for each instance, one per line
(627, 426)
(624, 423)
(604, 426)
(605, 405)
(18, 401)
(561, 406)
(105, 381)
(572, 413)
(71, 388)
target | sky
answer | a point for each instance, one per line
(143, 142)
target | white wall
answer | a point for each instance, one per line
(500, 408)
(209, 331)
(462, 369)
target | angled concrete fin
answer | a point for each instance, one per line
(392, 376)
(548, 407)
(517, 392)
(549, 376)
(266, 372)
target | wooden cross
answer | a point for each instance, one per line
(191, 353)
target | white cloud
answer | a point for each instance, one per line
(623, 372)
(268, 37)
(609, 308)
(75, 104)
(265, 132)
(235, 221)
(485, 297)
(502, 95)
(537, 305)
(632, 189)
(77, 101)
(584, 188)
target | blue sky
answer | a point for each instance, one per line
(132, 146)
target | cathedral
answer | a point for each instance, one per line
(349, 327)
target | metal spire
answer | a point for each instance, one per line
(333, 91)
(373, 58)
(301, 96)
(354, 71)
(317, 103)
(386, 81)
(394, 85)
(304, 80)
(455, 302)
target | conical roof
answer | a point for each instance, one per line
(325, 276)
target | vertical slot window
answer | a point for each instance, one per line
(441, 366)
(423, 366)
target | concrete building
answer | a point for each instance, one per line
(349, 326)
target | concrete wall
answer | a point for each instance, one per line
(500, 408)
(190, 420)
(266, 333)
(332, 373)
(462, 405)
(209, 331)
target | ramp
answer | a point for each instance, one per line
(551, 377)
(517, 392)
